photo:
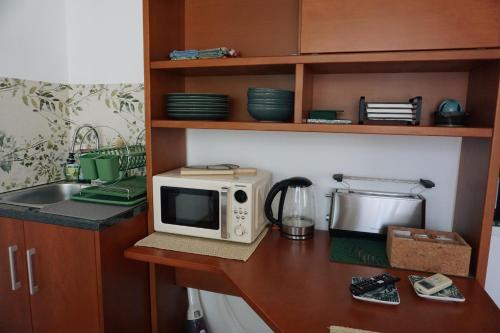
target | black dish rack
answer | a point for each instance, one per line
(410, 118)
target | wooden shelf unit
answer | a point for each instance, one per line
(268, 35)
(439, 59)
(322, 128)
(326, 84)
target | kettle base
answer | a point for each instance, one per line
(297, 233)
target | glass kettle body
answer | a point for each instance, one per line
(296, 209)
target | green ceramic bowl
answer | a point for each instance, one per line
(270, 101)
(270, 91)
(270, 113)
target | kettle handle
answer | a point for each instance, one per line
(277, 188)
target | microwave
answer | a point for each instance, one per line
(219, 207)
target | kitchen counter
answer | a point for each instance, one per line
(34, 214)
(294, 287)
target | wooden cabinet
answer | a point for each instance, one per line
(63, 265)
(73, 280)
(15, 313)
(391, 25)
(386, 50)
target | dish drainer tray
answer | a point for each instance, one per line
(104, 199)
(128, 191)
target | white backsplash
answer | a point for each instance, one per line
(318, 156)
(37, 120)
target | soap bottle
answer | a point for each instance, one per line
(71, 169)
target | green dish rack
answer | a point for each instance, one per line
(126, 192)
(106, 163)
(109, 166)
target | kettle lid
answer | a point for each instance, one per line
(299, 182)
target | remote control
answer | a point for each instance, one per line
(432, 284)
(372, 283)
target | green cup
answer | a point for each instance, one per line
(88, 166)
(108, 167)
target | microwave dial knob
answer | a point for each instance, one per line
(239, 230)
(240, 196)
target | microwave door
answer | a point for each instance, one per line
(190, 207)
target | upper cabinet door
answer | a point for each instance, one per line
(14, 298)
(391, 25)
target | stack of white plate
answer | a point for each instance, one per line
(391, 111)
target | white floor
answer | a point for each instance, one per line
(230, 314)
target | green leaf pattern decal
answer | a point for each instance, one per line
(38, 119)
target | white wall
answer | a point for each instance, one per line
(104, 41)
(493, 274)
(318, 156)
(33, 40)
(68, 41)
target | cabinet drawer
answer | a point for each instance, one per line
(389, 25)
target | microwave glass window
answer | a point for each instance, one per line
(190, 207)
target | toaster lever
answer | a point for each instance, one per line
(338, 177)
(427, 183)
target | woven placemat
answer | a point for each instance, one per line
(204, 246)
(340, 329)
(359, 251)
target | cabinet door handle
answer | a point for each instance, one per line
(29, 257)
(12, 263)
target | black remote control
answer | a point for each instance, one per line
(372, 283)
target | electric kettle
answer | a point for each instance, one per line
(296, 207)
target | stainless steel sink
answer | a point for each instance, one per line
(41, 196)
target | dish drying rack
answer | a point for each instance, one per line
(124, 189)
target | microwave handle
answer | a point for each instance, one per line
(223, 212)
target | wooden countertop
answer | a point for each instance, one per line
(294, 287)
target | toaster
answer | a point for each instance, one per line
(371, 212)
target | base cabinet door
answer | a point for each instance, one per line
(14, 297)
(62, 278)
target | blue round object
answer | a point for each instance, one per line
(450, 105)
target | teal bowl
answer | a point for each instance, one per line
(270, 101)
(269, 91)
(262, 112)
(282, 96)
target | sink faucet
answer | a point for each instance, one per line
(72, 170)
(91, 129)
(71, 157)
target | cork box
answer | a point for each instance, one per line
(428, 251)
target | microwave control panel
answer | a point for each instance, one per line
(241, 214)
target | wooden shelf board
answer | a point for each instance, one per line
(448, 60)
(256, 281)
(173, 259)
(323, 128)
(230, 66)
